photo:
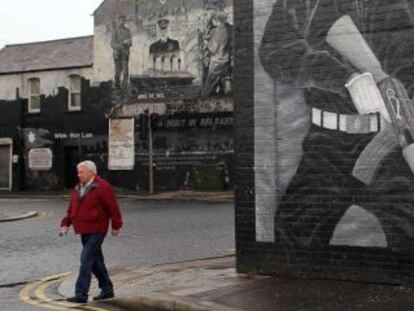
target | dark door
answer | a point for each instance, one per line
(5, 167)
(72, 158)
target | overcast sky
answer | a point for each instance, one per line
(40, 20)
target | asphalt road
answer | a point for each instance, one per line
(153, 233)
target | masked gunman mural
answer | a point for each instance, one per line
(343, 80)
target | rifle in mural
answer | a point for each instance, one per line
(347, 40)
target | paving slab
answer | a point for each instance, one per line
(214, 284)
(170, 286)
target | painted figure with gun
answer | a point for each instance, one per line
(354, 61)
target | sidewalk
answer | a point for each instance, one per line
(181, 195)
(214, 285)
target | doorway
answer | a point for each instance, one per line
(72, 158)
(5, 164)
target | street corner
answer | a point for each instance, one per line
(8, 217)
(66, 286)
(45, 294)
(174, 286)
(195, 285)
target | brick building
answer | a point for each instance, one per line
(324, 185)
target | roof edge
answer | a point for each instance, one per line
(47, 41)
(45, 69)
(99, 6)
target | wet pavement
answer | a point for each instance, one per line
(154, 233)
(154, 265)
(214, 285)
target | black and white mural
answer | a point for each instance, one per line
(333, 148)
(121, 42)
(176, 44)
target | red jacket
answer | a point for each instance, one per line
(91, 213)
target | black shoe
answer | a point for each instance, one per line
(76, 299)
(103, 296)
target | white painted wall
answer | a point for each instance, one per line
(49, 82)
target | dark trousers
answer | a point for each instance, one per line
(92, 261)
(323, 189)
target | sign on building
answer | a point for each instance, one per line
(121, 151)
(40, 159)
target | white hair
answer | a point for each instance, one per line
(89, 165)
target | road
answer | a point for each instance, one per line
(154, 233)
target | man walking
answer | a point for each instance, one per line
(92, 205)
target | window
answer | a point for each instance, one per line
(34, 95)
(74, 100)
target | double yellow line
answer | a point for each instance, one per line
(44, 215)
(35, 294)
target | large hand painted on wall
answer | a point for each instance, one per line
(165, 44)
(337, 78)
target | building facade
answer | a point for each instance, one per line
(324, 128)
(73, 99)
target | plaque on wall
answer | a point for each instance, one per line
(40, 159)
(121, 148)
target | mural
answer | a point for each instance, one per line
(189, 156)
(180, 45)
(121, 42)
(218, 55)
(337, 86)
(171, 107)
(38, 155)
(164, 53)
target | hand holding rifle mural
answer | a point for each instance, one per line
(354, 64)
(390, 98)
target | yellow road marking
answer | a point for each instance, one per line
(44, 215)
(41, 300)
(40, 291)
(55, 277)
(24, 295)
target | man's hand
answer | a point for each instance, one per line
(116, 232)
(63, 230)
(366, 95)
